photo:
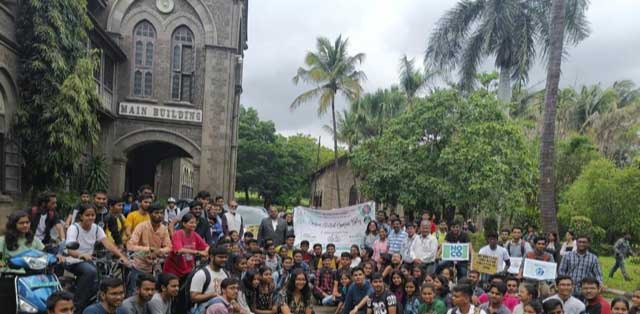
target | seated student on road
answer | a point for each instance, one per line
(430, 304)
(496, 293)
(264, 299)
(60, 302)
(354, 301)
(166, 290)
(323, 288)
(137, 303)
(227, 301)
(201, 294)
(87, 234)
(526, 293)
(381, 301)
(295, 297)
(462, 301)
(150, 241)
(595, 303)
(110, 298)
(564, 287)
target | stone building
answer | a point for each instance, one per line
(170, 80)
(323, 186)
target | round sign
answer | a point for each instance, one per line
(165, 6)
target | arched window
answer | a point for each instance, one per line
(182, 64)
(144, 37)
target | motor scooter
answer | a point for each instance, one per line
(34, 280)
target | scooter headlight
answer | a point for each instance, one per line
(25, 306)
(36, 263)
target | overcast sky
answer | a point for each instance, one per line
(282, 31)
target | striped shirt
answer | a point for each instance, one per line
(396, 241)
(579, 267)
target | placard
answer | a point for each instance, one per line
(455, 251)
(514, 268)
(341, 226)
(485, 264)
(539, 270)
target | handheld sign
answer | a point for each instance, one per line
(514, 268)
(539, 270)
(455, 251)
(485, 264)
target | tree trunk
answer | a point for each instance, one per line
(504, 86)
(246, 195)
(335, 148)
(547, 195)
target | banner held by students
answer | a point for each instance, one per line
(539, 270)
(341, 226)
(455, 251)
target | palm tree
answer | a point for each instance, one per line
(506, 29)
(547, 146)
(333, 71)
(348, 128)
(412, 80)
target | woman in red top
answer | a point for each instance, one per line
(187, 247)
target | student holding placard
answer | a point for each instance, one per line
(500, 253)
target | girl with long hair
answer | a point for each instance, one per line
(380, 245)
(355, 256)
(187, 248)
(396, 286)
(441, 284)
(248, 291)
(619, 306)
(18, 236)
(411, 296)
(266, 291)
(295, 298)
(370, 235)
(533, 307)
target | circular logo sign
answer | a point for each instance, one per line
(165, 6)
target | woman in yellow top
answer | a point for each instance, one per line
(115, 223)
(138, 216)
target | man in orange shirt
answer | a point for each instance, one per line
(150, 241)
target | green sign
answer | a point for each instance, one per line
(455, 251)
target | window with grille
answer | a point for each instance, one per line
(182, 64)
(144, 37)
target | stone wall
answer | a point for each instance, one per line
(323, 185)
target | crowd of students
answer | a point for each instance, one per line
(396, 268)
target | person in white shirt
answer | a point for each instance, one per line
(461, 298)
(493, 249)
(171, 212)
(408, 242)
(232, 221)
(424, 248)
(204, 295)
(570, 304)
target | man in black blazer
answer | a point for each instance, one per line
(273, 228)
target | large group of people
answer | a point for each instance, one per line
(199, 259)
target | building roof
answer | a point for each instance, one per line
(330, 164)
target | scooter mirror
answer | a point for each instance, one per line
(72, 245)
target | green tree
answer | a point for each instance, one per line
(508, 30)
(56, 120)
(333, 71)
(607, 195)
(412, 79)
(572, 156)
(448, 151)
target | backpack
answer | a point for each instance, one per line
(522, 249)
(182, 303)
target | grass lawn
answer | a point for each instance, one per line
(617, 282)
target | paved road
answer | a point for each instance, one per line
(324, 309)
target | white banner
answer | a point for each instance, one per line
(539, 270)
(514, 267)
(343, 227)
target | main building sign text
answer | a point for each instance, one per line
(160, 112)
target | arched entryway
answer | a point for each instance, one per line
(164, 159)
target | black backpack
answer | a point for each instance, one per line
(182, 303)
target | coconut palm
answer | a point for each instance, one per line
(505, 29)
(547, 195)
(412, 80)
(348, 129)
(332, 70)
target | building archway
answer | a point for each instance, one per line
(166, 160)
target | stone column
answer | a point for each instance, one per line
(118, 173)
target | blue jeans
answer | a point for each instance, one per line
(131, 280)
(86, 284)
(328, 300)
